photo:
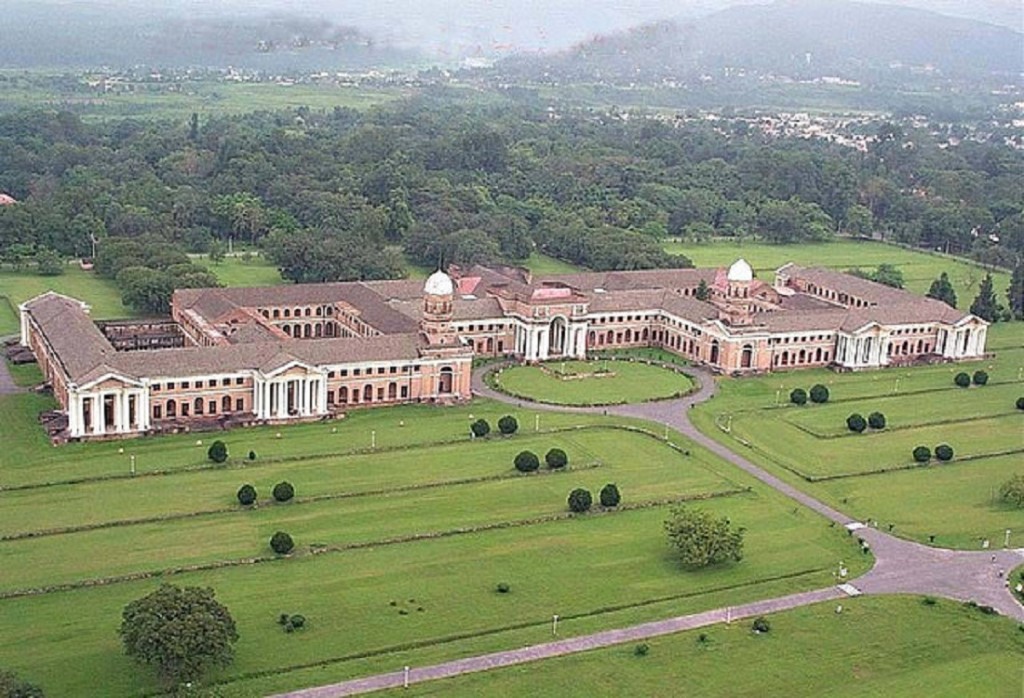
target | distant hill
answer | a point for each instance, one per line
(797, 38)
(92, 34)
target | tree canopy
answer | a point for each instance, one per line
(702, 539)
(182, 632)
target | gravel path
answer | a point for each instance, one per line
(901, 567)
(7, 386)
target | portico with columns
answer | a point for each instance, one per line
(559, 337)
(109, 406)
(293, 391)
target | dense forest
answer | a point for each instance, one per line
(348, 195)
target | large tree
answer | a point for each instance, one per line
(1015, 293)
(985, 304)
(942, 290)
(181, 632)
(13, 686)
(703, 539)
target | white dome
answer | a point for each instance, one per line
(740, 271)
(439, 284)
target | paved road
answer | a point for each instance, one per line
(901, 567)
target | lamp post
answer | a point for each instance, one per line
(373, 438)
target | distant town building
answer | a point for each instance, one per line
(288, 353)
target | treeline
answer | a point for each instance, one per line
(342, 195)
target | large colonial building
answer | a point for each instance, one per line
(283, 353)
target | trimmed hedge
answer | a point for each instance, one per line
(526, 461)
(580, 500)
(962, 379)
(819, 394)
(281, 543)
(610, 496)
(246, 495)
(283, 491)
(876, 420)
(944, 452)
(922, 454)
(798, 396)
(856, 422)
(556, 458)
(980, 377)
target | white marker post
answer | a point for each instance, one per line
(373, 439)
(405, 678)
(1006, 538)
(131, 461)
(536, 422)
(554, 624)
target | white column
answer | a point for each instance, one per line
(322, 400)
(126, 416)
(97, 414)
(145, 410)
(74, 414)
(282, 402)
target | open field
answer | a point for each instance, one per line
(448, 517)
(237, 271)
(919, 268)
(591, 382)
(18, 287)
(885, 647)
(872, 475)
(205, 98)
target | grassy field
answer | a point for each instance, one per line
(591, 382)
(453, 516)
(885, 647)
(205, 98)
(237, 271)
(872, 475)
(919, 268)
(18, 287)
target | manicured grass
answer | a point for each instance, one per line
(919, 268)
(955, 502)
(25, 375)
(101, 294)
(236, 271)
(592, 382)
(597, 570)
(884, 647)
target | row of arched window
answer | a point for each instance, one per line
(171, 409)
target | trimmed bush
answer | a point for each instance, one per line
(580, 500)
(252, 455)
(609, 495)
(556, 458)
(297, 621)
(944, 452)
(480, 428)
(642, 650)
(527, 462)
(761, 625)
(283, 619)
(281, 543)
(1020, 403)
(503, 588)
(876, 420)
(283, 491)
(962, 379)
(246, 495)
(218, 452)
(980, 377)
(798, 397)
(922, 454)
(819, 394)
(856, 422)
(508, 425)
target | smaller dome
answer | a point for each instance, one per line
(740, 271)
(439, 284)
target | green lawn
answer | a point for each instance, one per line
(18, 287)
(809, 445)
(237, 271)
(598, 570)
(919, 268)
(591, 382)
(885, 647)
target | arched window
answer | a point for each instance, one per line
(343, 395)
(392, 391)
(172, 409)
(225, 404)
(198, 405)
(368, 393)
(747, 357)
(446, 380)
(714, 352)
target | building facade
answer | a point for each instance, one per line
(278, 354)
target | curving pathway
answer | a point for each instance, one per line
(901, 566)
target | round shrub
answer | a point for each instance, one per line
(876, 420)
(480, 428)
(642, 650)
(798, 397)
(980, 377)
(297, 621)
(609, 495)
(252, 455)
(856, 422)
(944, 452)
(281, 543)
(527, 462)
(922, 454)
(580, 500)
(1020, 403)
(819, 394)
(283, 491)
(962, 379)
(508, 425)
(556, 458)
(503, 588)
(218, 452)
(246, 495)
(761, 625)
